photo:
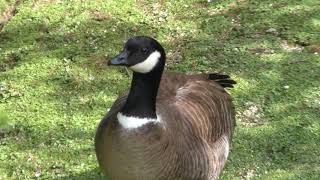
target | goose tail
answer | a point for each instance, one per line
(222, 79)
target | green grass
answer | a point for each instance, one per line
(54, 87)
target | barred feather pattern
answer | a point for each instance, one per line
(192, 142)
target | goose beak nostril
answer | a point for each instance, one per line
(119, 60)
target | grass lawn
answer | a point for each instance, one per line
(55, 88)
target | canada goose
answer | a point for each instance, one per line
(170, 126)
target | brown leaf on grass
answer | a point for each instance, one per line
(99, 16)
(315, 49)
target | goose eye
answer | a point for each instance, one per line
(144, 50)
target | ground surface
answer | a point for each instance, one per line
(54, 87)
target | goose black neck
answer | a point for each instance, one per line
(141, 101)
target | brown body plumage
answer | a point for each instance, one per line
(191, 143)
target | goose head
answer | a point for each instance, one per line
(142, 55)
(146, 58)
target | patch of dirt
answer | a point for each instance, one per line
(57, 169)
(99, 16)
(100, 62)
(291, 47)
(234, 7)
(249, 174)
(156, 8)
(315, 49)
(252, 115)
(202, 4)
(7, 15)
(174, 55)
(9, 62)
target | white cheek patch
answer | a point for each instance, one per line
(129, 122)
(148, 64)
